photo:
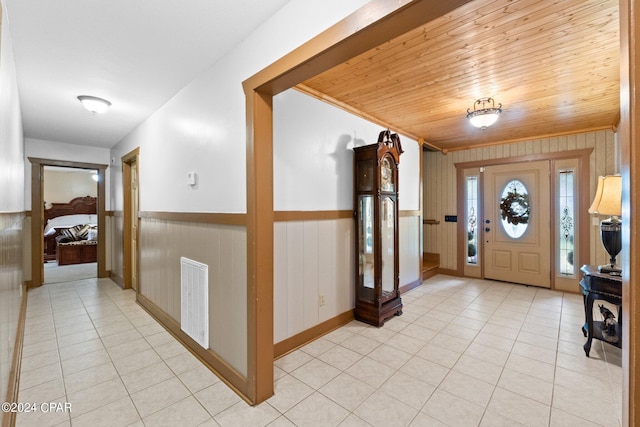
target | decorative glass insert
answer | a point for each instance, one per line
(567, 222)
(515, 208)
(472, 220)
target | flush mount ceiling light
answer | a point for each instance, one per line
(94, 104)
(486, 115)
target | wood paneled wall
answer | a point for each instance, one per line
(223, 249)
(11, 295)
(440, 184)
(314, 261)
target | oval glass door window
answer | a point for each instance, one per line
(515, 209)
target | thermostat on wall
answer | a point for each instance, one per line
(191, 178)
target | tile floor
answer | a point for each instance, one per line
(464, 353)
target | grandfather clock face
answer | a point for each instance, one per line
(386, 175)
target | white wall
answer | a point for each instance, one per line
(61, 187)
(53, 150)
(313, 155)
(202, 129)
(11, 139)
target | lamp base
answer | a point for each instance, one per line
(611, 269)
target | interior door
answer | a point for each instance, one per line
(134, 226)
(516, 225)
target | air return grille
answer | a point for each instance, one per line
(194, 300)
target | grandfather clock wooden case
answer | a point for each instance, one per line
(376, 214)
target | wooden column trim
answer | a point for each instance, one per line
(260, 219)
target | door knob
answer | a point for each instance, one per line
(488, 221)
(487, 229)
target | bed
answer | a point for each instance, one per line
(70, 231)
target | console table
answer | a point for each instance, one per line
(602, 287)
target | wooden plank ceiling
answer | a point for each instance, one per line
(554, 66)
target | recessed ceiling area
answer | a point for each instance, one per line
(554, 66)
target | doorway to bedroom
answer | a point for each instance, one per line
(71, 253)
(70, 224)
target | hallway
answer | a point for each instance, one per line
(464, 353)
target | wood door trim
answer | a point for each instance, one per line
(129, 159)
(37, 244)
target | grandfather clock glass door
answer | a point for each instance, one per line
(376, 200)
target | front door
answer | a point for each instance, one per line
(517, 223)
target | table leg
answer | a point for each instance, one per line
(588, 311)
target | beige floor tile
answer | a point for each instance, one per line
(146, 377)
(242, 415)
(40, 375)
(487, 353)
(159, 339)
(39, 360)
(170, 349)
(77, 337)
(159, 396)
(317, 410)
(371, 372)
(347, 391)
(198, 378)
(40, 418)
(75, 350)
(293, 360)
(424, 370)
(535, 368)
(519, 408)
(534, 352)
(183, 362)
(185, 413)
(564, 419)
(85, 361)
(315, 373)
(389, 356)
(492, 419)
(453, 410)
(288, 391)
(217, 398)
(360, 344)
(136, 361)
(406, 343)
(317, 347)
(383, 410)
(94, 397)
(353, 421)
(46, 392)
(479, 369)
(340, 357)
(128, 348)
(122, 412)
(408, 389)
(450, 342)
(439, 355)
(467, 387)
(526, 385)
(90, 377)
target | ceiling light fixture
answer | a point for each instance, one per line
(94, 104)
(486, 116)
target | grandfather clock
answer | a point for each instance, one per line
(376, 214)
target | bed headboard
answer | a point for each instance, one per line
(79, 205)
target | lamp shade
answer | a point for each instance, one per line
(608, 198)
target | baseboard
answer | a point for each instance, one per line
(288, 345)
(209, 358)
(116, 278)
(9, 418)
(409, 286)
(449, 272)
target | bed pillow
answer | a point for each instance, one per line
(77, 232)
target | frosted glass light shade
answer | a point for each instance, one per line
(94, 104)
(483, 121)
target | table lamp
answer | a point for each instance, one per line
(608, 201)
